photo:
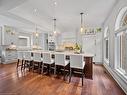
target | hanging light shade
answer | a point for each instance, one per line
(36, 33)
(54, 26)
(81, 27)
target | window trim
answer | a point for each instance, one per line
(117, 65)
(106, 37)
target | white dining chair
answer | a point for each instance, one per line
(48, 60)
(37, 60)
(20, 57)
(77, 62)
(60, 60)
(28, 59)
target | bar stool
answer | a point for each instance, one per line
(47, 60)
(28, 60)
(20, 59)
(37, 58)
(60, 60)
(77, 63)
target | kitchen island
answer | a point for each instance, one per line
(88, 58)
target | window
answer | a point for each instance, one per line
(124, 20)
(121, 51)
(106, 45)
(121, 41)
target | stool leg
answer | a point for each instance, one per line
(55, 70)
(42, 68)
(17, 64)
(64, 73)
(70, 75)
(22, 64)
(39, 66)
(82, 77)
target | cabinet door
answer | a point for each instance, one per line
(98, 48)
(89, 44)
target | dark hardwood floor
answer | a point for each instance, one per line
(29, 83)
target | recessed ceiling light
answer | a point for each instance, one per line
(55, 3)
(35, 10)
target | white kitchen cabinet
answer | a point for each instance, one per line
(93, 44)
(8, 56)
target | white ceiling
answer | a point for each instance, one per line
(67, 13)
(6, 4)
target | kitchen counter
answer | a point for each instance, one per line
(64, 52)
(88, 58)
(8, 55)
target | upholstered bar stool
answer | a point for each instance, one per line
(28, 60)
(20, 59)
(60, 60)
(77, 63)
(47, 60)
(37, 60)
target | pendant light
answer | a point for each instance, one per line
(36, 32)
(54, 26)
(81, 27)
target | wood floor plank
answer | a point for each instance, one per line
(29, 83)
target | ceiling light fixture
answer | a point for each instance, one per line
(36, 30)
(36, 33)
(81, 27)
(55, 3)
(35, 10)
(54, 26)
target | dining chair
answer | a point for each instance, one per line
(77, 63)
(20, 58)
(28, 60)
(37, 60)
(60, 60)
(47, 60)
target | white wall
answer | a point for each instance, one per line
(87, 42)
(0, 35)
(69, 37)
(110, 22)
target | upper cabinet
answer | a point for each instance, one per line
(16, 36)
(8, 35)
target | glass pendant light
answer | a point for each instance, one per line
(81, 27)
(36, 33)
(54, 27)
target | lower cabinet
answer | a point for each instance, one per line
(88, 70)
(9, 56)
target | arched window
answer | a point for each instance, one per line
(106, 45)
(121, 18)
(121, 41)
(124, 20)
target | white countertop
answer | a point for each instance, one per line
(65, 52)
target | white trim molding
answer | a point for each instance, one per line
(122, 82)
